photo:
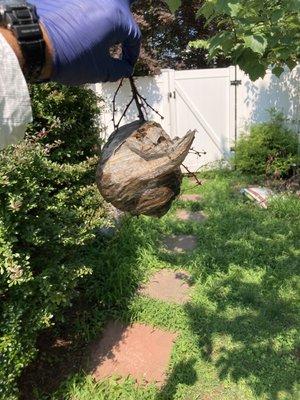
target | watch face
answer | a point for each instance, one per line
(12, 3)
(9, 3)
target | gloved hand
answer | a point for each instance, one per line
(83, 31)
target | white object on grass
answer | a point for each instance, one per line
(259, 194)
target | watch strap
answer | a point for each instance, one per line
(25, 26)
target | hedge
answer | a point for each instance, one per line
(271, 149)
(48, 209)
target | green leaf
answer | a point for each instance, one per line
(251, 63)
(291, 64)
(293, 5)
(257, 43)
(223, 41)
(222, 6)
(229, 43)
(199, 44)
(235, 8)
(278, 71)
(276, 15)
(207, 10)
(257, 71)
(173, 4)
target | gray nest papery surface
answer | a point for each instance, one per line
(139, 171)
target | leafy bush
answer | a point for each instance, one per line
(69, 115)
(270, 149)
(48, 211)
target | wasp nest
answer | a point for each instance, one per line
(139, 171)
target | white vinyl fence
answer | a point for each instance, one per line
(209, 101)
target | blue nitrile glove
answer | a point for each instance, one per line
(83, 31)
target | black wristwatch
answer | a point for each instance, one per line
(22, 20)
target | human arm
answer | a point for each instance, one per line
(82, 32)
(74, 55)
(78, 35)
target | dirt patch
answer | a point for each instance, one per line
(59, 357)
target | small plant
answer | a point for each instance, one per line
(270, 149)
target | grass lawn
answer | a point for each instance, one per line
(239, 334)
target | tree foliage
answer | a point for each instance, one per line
(254, 34)
(166, 36)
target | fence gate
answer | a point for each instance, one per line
(193, 99)
(203, 100)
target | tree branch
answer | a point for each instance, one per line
(193, 175)
(136, 99)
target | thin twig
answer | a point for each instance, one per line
(141, 104)
(136, 99)
(193, 175)
(149, 106)
(123, 115)
(198, 153)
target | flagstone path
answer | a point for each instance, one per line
(169, 286)
(140, 351)
(180, 243)
(190, 197)
(184, 215)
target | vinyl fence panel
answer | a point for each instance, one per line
(209, 101)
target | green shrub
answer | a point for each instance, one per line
(68, 115)
(48, 212)
(270, 149)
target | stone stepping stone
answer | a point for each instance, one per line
(180, 243)
(185, 215)
(169, 286)
(139, 351)
(190, 197)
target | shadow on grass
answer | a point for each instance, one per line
(247, 264)
(63, 349)
(183, 373)
(254, 353)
